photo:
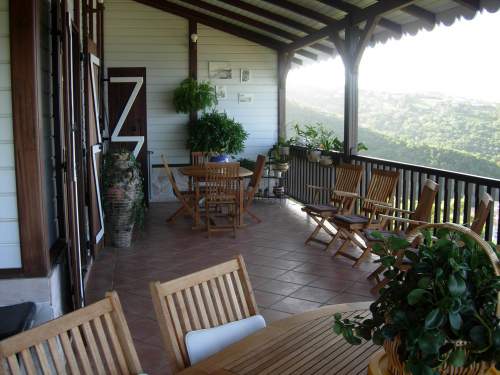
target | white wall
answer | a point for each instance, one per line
(139, 36)
(10, 253)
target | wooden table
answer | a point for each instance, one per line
(301, 344)
(197, 172)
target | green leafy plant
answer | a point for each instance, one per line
(122, 179)
(318, 137)
(193, 96)
(216, 132)
(448, 296)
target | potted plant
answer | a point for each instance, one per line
(194, 96)
(123, 196)
(218, 134)
(308, 137)
(279, 156)
(328, 144)
(439, 313)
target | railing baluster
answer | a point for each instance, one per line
(491, 217)
(467, 202)
(446, 209)
(437, 204)
(456, 202)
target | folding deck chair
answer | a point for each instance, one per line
(342, 200)
(378, 201)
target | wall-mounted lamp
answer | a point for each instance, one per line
(194, 38)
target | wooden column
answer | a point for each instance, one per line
(193, 59)
(284, 62)
(351, 50)
(24, 44)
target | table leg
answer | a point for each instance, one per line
(196, 202)
(241, 212)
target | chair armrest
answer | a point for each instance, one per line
(379, 204)
(403, 220)
(346, 194)
(405, 212)
(318, 188)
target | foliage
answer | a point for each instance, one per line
(248, 164)
(216, 132)
(193, 96)
(439, 132)
(116, 178)
(319, 137)
(448, 295)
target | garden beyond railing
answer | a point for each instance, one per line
(459, 193)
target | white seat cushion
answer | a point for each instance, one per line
(203, 343)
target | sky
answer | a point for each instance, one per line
(462, 60)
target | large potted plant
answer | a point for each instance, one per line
(218, 134)
(194, 96)
(123, 196)
(439, 313)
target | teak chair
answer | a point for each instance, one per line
(92, 340)
(186, 198)
(404, 224)
(342, 200)
(204, 299)
(198, 157)
(221, 191)
(477, 226)
(253, 186)
(378, 201)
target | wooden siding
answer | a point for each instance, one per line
(139, 36)
(10, 252)
(259, 118)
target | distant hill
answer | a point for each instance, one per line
(430, 130)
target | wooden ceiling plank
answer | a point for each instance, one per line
(302, 10)
(307, 54)
(215, 23)
(469, 4)
(420, 13)
(377, 9)
(270, 15)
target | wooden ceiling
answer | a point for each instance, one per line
(303, 28)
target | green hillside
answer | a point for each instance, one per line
(425, 130)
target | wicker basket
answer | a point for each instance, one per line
(395, 366)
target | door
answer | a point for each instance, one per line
(127, 114)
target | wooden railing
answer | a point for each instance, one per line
(456, 202)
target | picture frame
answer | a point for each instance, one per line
(245, 75)
(221, 92)
(245, 98)
(220, 70)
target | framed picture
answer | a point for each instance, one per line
(245, 75)
(245, 98)
(220, 70)
(221, 92)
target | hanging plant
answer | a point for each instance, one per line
(194, 96)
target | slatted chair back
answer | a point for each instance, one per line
(423, 211)
(253, 186)
(92, 340)
(381, 189)
(221, 181)
(481, 214)
(347, 179)
(204, 299)
(171, 178)
(198, 157)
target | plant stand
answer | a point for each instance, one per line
(268, 192)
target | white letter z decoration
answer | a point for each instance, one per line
(115, 137)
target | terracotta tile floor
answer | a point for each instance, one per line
(287, 276)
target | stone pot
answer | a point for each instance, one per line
(326, 160)
(314, 155)
(284, 150)
(282, 167)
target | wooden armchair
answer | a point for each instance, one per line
(481, 214)
(221, 192)
(253, 186)
(92, 340)
(198, 157)
(342, 200)
(378, 201)
(186, 198)
(404, 224)
(204, 299)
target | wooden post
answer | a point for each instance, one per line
(193, 59)
(351, 50)
(283, 68)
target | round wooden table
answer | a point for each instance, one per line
(301, 344)
(197, 172)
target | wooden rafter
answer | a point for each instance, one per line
(377, 9)
(420, 13)
(215, 23)
(469, 4)
(327, 20)
(258, 24)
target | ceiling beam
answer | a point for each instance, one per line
(377, 9)
(270, 15)
(469, 4)
(420, 13)
(297, 61)
(307, 54)
(215, 23)
(255, 23)
(327, 20)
